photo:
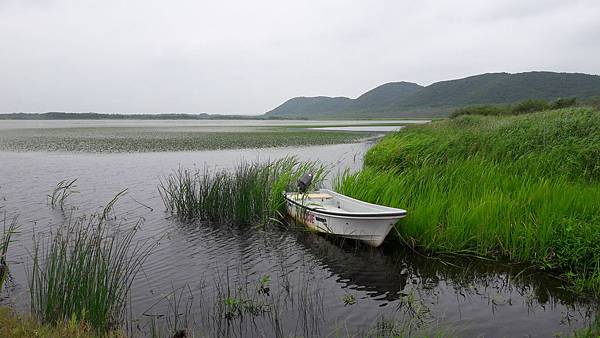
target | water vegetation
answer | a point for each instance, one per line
(63, 190)
(121, 139)
(9, 229)
(82, 272)
(250, 194)
(524, 187)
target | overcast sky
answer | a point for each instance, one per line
(247, 57)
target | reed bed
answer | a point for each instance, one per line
(9, 229)
(83, 272)
(524, 187)
(554, 143)
(251, 194)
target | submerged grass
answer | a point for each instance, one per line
(251, 194)
(524, 187)
(83, 272)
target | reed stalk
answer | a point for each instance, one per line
(251, 194)
(9, 229)
(63, 190)
(83, 271)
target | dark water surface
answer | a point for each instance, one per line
(310, 276)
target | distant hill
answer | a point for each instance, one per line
(405, 99)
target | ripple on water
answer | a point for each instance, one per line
(314, 273)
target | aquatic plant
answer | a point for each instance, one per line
(524, 187)
(250, 194)
(63, 190)
(349, 299)
(118, 140)
(9, 229)
(84, 271)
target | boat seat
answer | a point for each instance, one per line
(315, 195)
(320, 195)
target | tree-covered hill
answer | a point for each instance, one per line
(405, 99)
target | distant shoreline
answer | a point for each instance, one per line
(117, 116)
(203, 116)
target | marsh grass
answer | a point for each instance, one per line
(63, 190)
(9, 229)
(524, 187)
(83, 271)
(251, 194)
(14, 325)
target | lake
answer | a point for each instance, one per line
(318, 286)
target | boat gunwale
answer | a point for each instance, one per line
(378, 215)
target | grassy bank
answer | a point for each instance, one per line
(524, 187)
(16, 326)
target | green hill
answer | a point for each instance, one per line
(405, 99)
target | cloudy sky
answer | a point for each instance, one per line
(246, 57)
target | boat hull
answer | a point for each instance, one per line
(371, 230)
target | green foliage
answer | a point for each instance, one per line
(481, 110)
(563, 103)
(15, 326)
(250, 195)
(552, 143)
(525, 187)
(84, 270)
(523, 107)
(593, 102)
(440, 98)
(530, 106)
(349, 299)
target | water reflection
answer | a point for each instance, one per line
(357, 266)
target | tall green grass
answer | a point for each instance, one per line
(562, 142)
(251, 194)
(524, 187)
(9, 228)
(83, 272)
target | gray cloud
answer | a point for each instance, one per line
(249, 56)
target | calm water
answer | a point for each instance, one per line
(361, 128)
(21, 124)
(310, 275)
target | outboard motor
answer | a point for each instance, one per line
(304, 182)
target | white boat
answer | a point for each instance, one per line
(333, 213)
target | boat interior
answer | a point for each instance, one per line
(335, 202)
